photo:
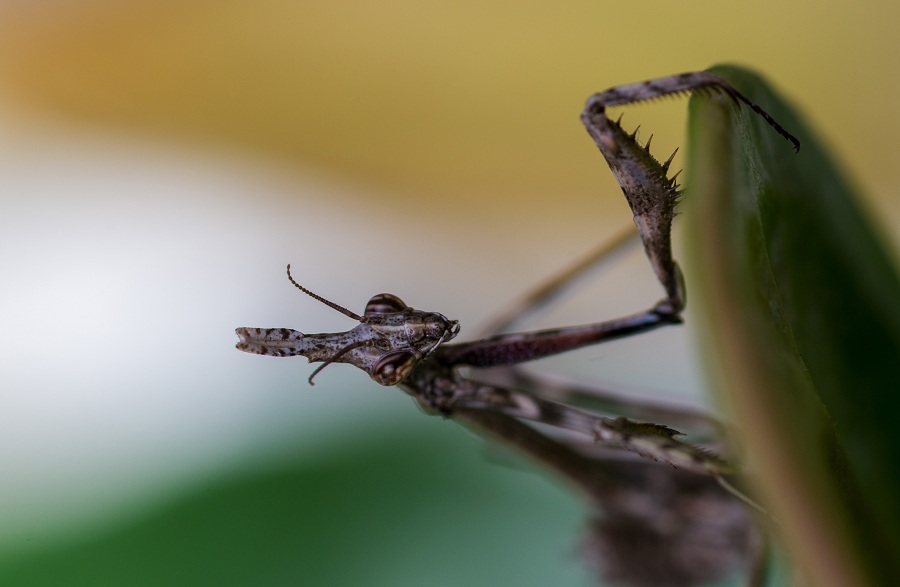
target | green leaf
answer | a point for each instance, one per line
(421, 505)
(799, 306)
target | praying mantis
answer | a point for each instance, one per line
(680, 525)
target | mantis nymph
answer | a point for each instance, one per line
(618, 461)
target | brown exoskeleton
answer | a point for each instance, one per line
(390, 341)
(706, 531)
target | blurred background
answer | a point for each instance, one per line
(161, 162)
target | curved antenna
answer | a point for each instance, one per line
(340, 309)
(338, 355)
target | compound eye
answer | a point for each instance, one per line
(393, 367)
(384, 303)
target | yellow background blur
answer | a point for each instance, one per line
(160, 163)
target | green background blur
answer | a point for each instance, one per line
(160, 163)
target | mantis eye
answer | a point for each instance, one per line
(393, 367)
(384, 303)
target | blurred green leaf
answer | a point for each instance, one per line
(799, 308)
(423, 506)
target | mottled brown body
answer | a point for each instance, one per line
(389, 342)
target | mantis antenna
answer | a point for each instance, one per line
(328, 303)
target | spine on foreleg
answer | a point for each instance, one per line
(275, 342)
